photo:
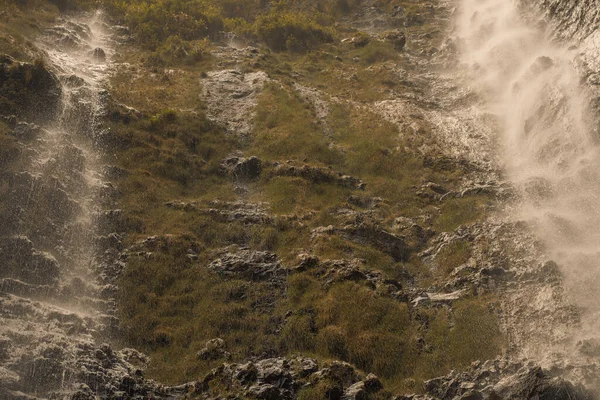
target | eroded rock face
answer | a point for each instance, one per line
(501, 379)
(571, 19)
(21, 261)
(231, 96)
(283, 378)
(242, 168)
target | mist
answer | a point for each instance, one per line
(547, 136)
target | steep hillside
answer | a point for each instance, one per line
(270, 199)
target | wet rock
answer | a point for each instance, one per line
(535, 382)
(72, 81)
(241, 167)
(589, 347)
(114, 172)
(110, 221)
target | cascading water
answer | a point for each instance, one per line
(549, 139)
(52, 312)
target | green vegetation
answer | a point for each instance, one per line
(168, 149)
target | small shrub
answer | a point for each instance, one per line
(290, 31)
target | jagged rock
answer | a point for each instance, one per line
(332, 271)
(70, 35)
(306, 261)
(241, 167)
(397, 38)
(500, 379)
(252, 265)
(213, 350)
(246, 212)
(281, 378)
(275, 371)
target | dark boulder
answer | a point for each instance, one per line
(241, 167)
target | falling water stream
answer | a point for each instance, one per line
(548, 136)
(52, 316)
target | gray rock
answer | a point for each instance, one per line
(265, 391)
(251, 265)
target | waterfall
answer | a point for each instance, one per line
(548, 135)
(52, 315)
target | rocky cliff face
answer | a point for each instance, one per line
(570, 20)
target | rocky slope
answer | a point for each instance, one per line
(268, 224)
